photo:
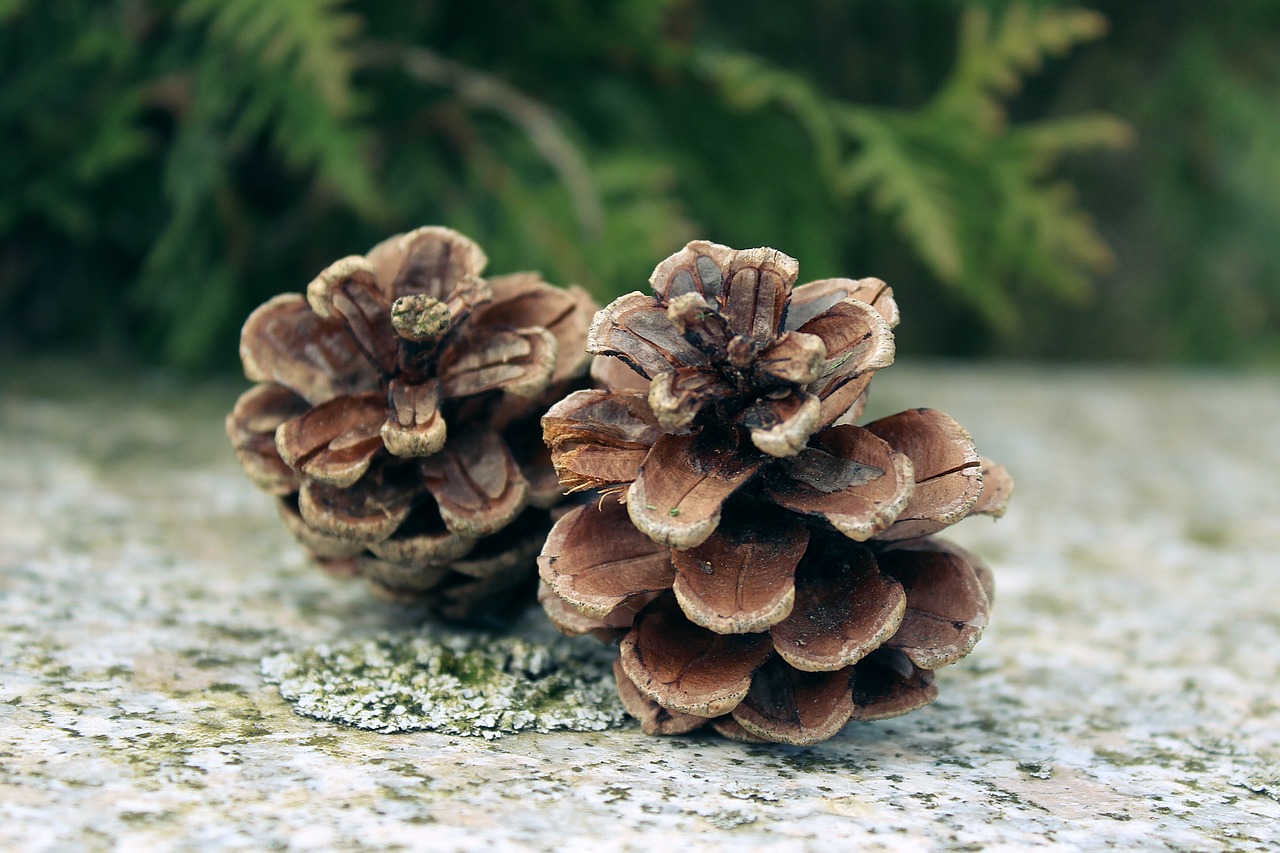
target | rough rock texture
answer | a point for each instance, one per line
(1126, 694)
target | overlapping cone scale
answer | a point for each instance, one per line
(395, 416)
(765, 563)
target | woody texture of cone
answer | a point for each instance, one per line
(396, 418)
(766, 565)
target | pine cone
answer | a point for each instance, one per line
(396, 418)
(766, 564)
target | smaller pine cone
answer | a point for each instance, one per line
(395, 417)
(767, 565)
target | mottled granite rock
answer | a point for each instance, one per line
(1126, 693)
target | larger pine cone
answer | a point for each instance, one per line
(394, 414)
(767, 563)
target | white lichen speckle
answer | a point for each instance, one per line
(461, 684)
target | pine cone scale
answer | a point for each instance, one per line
(252, 426)
(728, 727)
(841, 613)
(757, 294)
(946, 465)
(572, 621)
(678, 493)
(287, 343)
(686, 668)
(347, 291)
(430, 260)
(322, 545)
(781, 426)
(947, 606)
(858, 342)
(796, 358)
(598, 439)
(611, 419)
(476, 484)
(395, 575)
(785, 705)
(368, 514)
(676, 397)
(700, 265)
(867, 503)
(843, 404)
(634, 329)
(499, 360)
(817, 297)
(415, 425)
(428, 548)
(517, 303)
(654, 719)
(742, 579)
(601, 560)
(886, 684)
(997, 486)
(336, 441)
(520, 545)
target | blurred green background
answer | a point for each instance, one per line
(1037, 180)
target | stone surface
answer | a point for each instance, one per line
(1126, 693)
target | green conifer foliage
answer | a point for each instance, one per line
(171, 163)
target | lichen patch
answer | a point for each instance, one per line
(466, 684)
